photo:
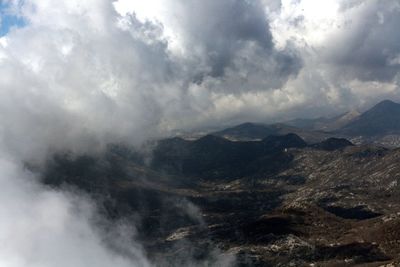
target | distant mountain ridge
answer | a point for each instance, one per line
(248, 130)
(325, 124)
(380, 124)
(257, 131)
(214, 157)
(381, 119)
(332, 144)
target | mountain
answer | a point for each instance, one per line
(378, 125)
(256, 131)
(332, 144)
(281, 204)
(249, 131)
(382, 119)
(310, 124)
(325, 124)
(272, 201)
(214, 157)
(338, 122)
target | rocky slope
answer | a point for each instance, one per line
(380, 125)
(275, 202)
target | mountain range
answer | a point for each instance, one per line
(256, 192)
(380, 124)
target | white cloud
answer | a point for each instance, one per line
(89, 75)
(46, 228)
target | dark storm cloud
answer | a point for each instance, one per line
(221, 28)
(232, 34)
(370, 48)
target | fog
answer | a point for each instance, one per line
(47, 228)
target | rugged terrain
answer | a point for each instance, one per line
(378, 125)
(274, 202)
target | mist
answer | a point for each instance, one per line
(40, 227)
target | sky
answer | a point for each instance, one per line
(8, 20)
(76, 75)
(193, 64)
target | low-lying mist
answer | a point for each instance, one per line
(43, 227)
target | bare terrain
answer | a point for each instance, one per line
(275, 202)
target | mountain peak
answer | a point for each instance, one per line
(333, 143)
(386, 104)
(383, 108)
(381, 119)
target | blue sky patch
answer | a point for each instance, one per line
(8, 20)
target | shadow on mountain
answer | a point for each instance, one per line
(213, 157)
(382, 119)
(356, 213)
(332, 144)
(273, 201)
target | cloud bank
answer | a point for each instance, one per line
(46, 228)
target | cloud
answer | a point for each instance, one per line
(313, 55)
(345, 46)
(72, 79)
(184, 64)
(368, 45)
(178, 57)
(46, 228)
(88, 76)
(76, 77)
(82, 80)
(209, 44)
(207, 29)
